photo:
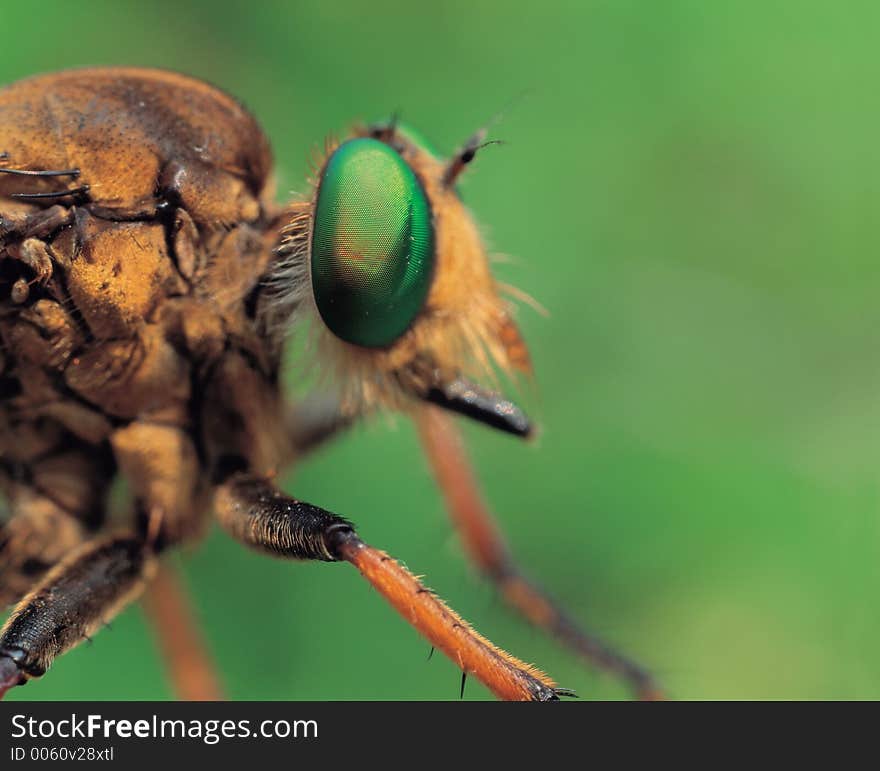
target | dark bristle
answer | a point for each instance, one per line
(81, 190)
(42, 172)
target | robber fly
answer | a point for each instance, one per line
(148, 282)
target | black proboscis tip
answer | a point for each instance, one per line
(480, 404)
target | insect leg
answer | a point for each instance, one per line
(73, 601)
(257, 514)
(160, 463)
(486, 547)
(33, 254)
(184, 651)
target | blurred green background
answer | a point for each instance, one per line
(691, 189)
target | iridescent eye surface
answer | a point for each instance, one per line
(372, 244)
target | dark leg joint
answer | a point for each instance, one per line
(339, 538)
(11, 673)
(254, 512)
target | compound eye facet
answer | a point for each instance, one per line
(372, 256)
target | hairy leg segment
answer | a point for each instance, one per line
(73, 600)
(254, 512)
(486, 547)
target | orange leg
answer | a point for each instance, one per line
(507, 677)
(257, 514)
(485, 545)
(189, 664)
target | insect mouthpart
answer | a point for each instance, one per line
(483, 405)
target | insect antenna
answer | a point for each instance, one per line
(385, 132)
(476, 143)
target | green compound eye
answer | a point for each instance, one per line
(372, 244)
